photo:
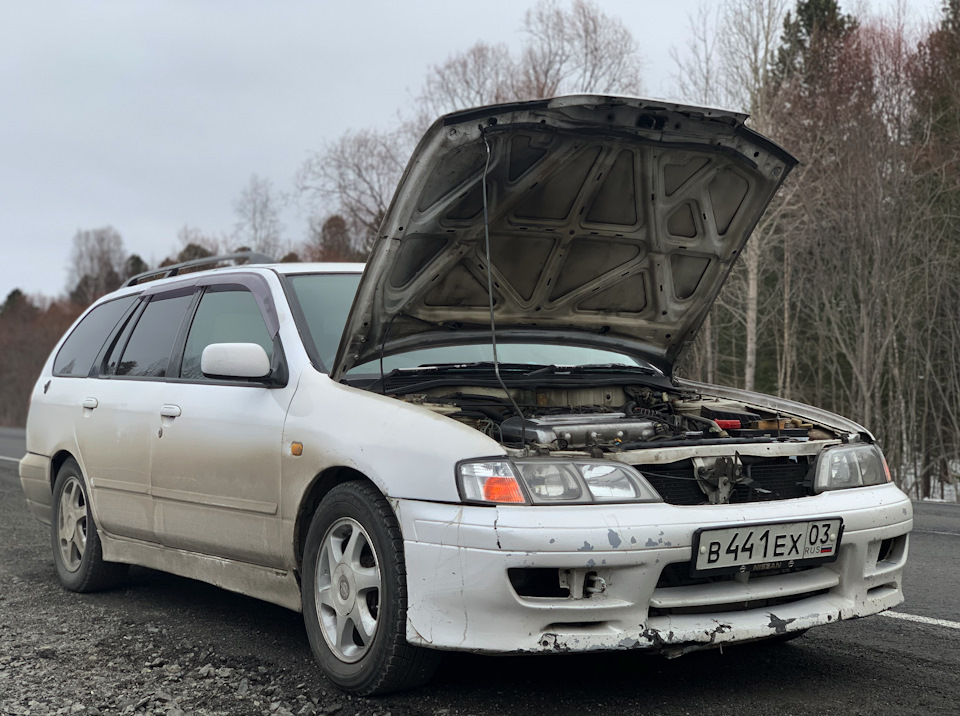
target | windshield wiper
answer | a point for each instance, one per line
(468, 366)
(591, 368)
(518, 373)
(430, 370)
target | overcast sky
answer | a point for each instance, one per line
(149, 116)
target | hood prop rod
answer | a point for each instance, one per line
(493, 323)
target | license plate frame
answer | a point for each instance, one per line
(737, 536)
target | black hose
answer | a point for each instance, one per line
(636, 445)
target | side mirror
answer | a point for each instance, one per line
(235, 360)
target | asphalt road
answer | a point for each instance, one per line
(166, 645)
(12, 444)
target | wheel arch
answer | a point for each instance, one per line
(56, 462)
(313, 496)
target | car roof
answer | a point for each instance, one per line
(286, 269)
(317, 267)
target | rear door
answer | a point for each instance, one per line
(121, 415)
(216, 452)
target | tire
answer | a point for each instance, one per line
(354, 595)
(77, 552)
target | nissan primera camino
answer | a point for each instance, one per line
(477, 441)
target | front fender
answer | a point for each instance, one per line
(407, 451)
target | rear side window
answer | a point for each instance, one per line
(224, 316)
(78, 352)
(148, 351)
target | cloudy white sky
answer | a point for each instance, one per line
(149, 116)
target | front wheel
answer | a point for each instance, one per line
(77, 553)
(354, 595)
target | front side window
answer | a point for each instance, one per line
(78, 352)
(223, 316)
(147, 353)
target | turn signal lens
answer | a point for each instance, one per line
(490, 481)
(502, 489)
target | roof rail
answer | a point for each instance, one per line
(166, 271)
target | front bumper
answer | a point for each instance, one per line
(460, 595)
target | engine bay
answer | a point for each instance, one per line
(692, 448)
(612, 419)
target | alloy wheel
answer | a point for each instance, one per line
(347, 590)
(72, 524)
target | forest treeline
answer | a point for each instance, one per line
(848, 294)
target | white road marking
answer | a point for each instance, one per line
(11, 459)
(922, 620)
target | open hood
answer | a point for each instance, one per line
(613, 223)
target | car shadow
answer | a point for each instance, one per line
(233, 624)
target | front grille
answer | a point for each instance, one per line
(678, 574)
(676, 482)
(779, 478)
(678, 592)
(785, 477)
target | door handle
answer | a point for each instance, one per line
(170, 411)
(90, 403)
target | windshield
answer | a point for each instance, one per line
(325, 299)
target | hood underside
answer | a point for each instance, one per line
(613, 223)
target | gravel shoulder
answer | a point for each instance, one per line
(160, 645)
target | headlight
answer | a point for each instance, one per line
(546, 482)
(851, 466)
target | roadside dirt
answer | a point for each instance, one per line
(147, 648)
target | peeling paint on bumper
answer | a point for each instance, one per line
(460, 595)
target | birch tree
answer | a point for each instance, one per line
(258, 224)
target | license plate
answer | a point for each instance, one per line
(750, 548)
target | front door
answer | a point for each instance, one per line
(216, 451)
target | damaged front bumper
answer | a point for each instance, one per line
(586, 578)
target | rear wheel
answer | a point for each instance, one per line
(77, 553)
(354, 595)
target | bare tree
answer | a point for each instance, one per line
(750, 30)
(96, 264)
(580, 49)
(357, 173)
(727, 63)
(258, 217)
(482, 74)
(699, 73)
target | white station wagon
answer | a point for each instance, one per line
(477, 442)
